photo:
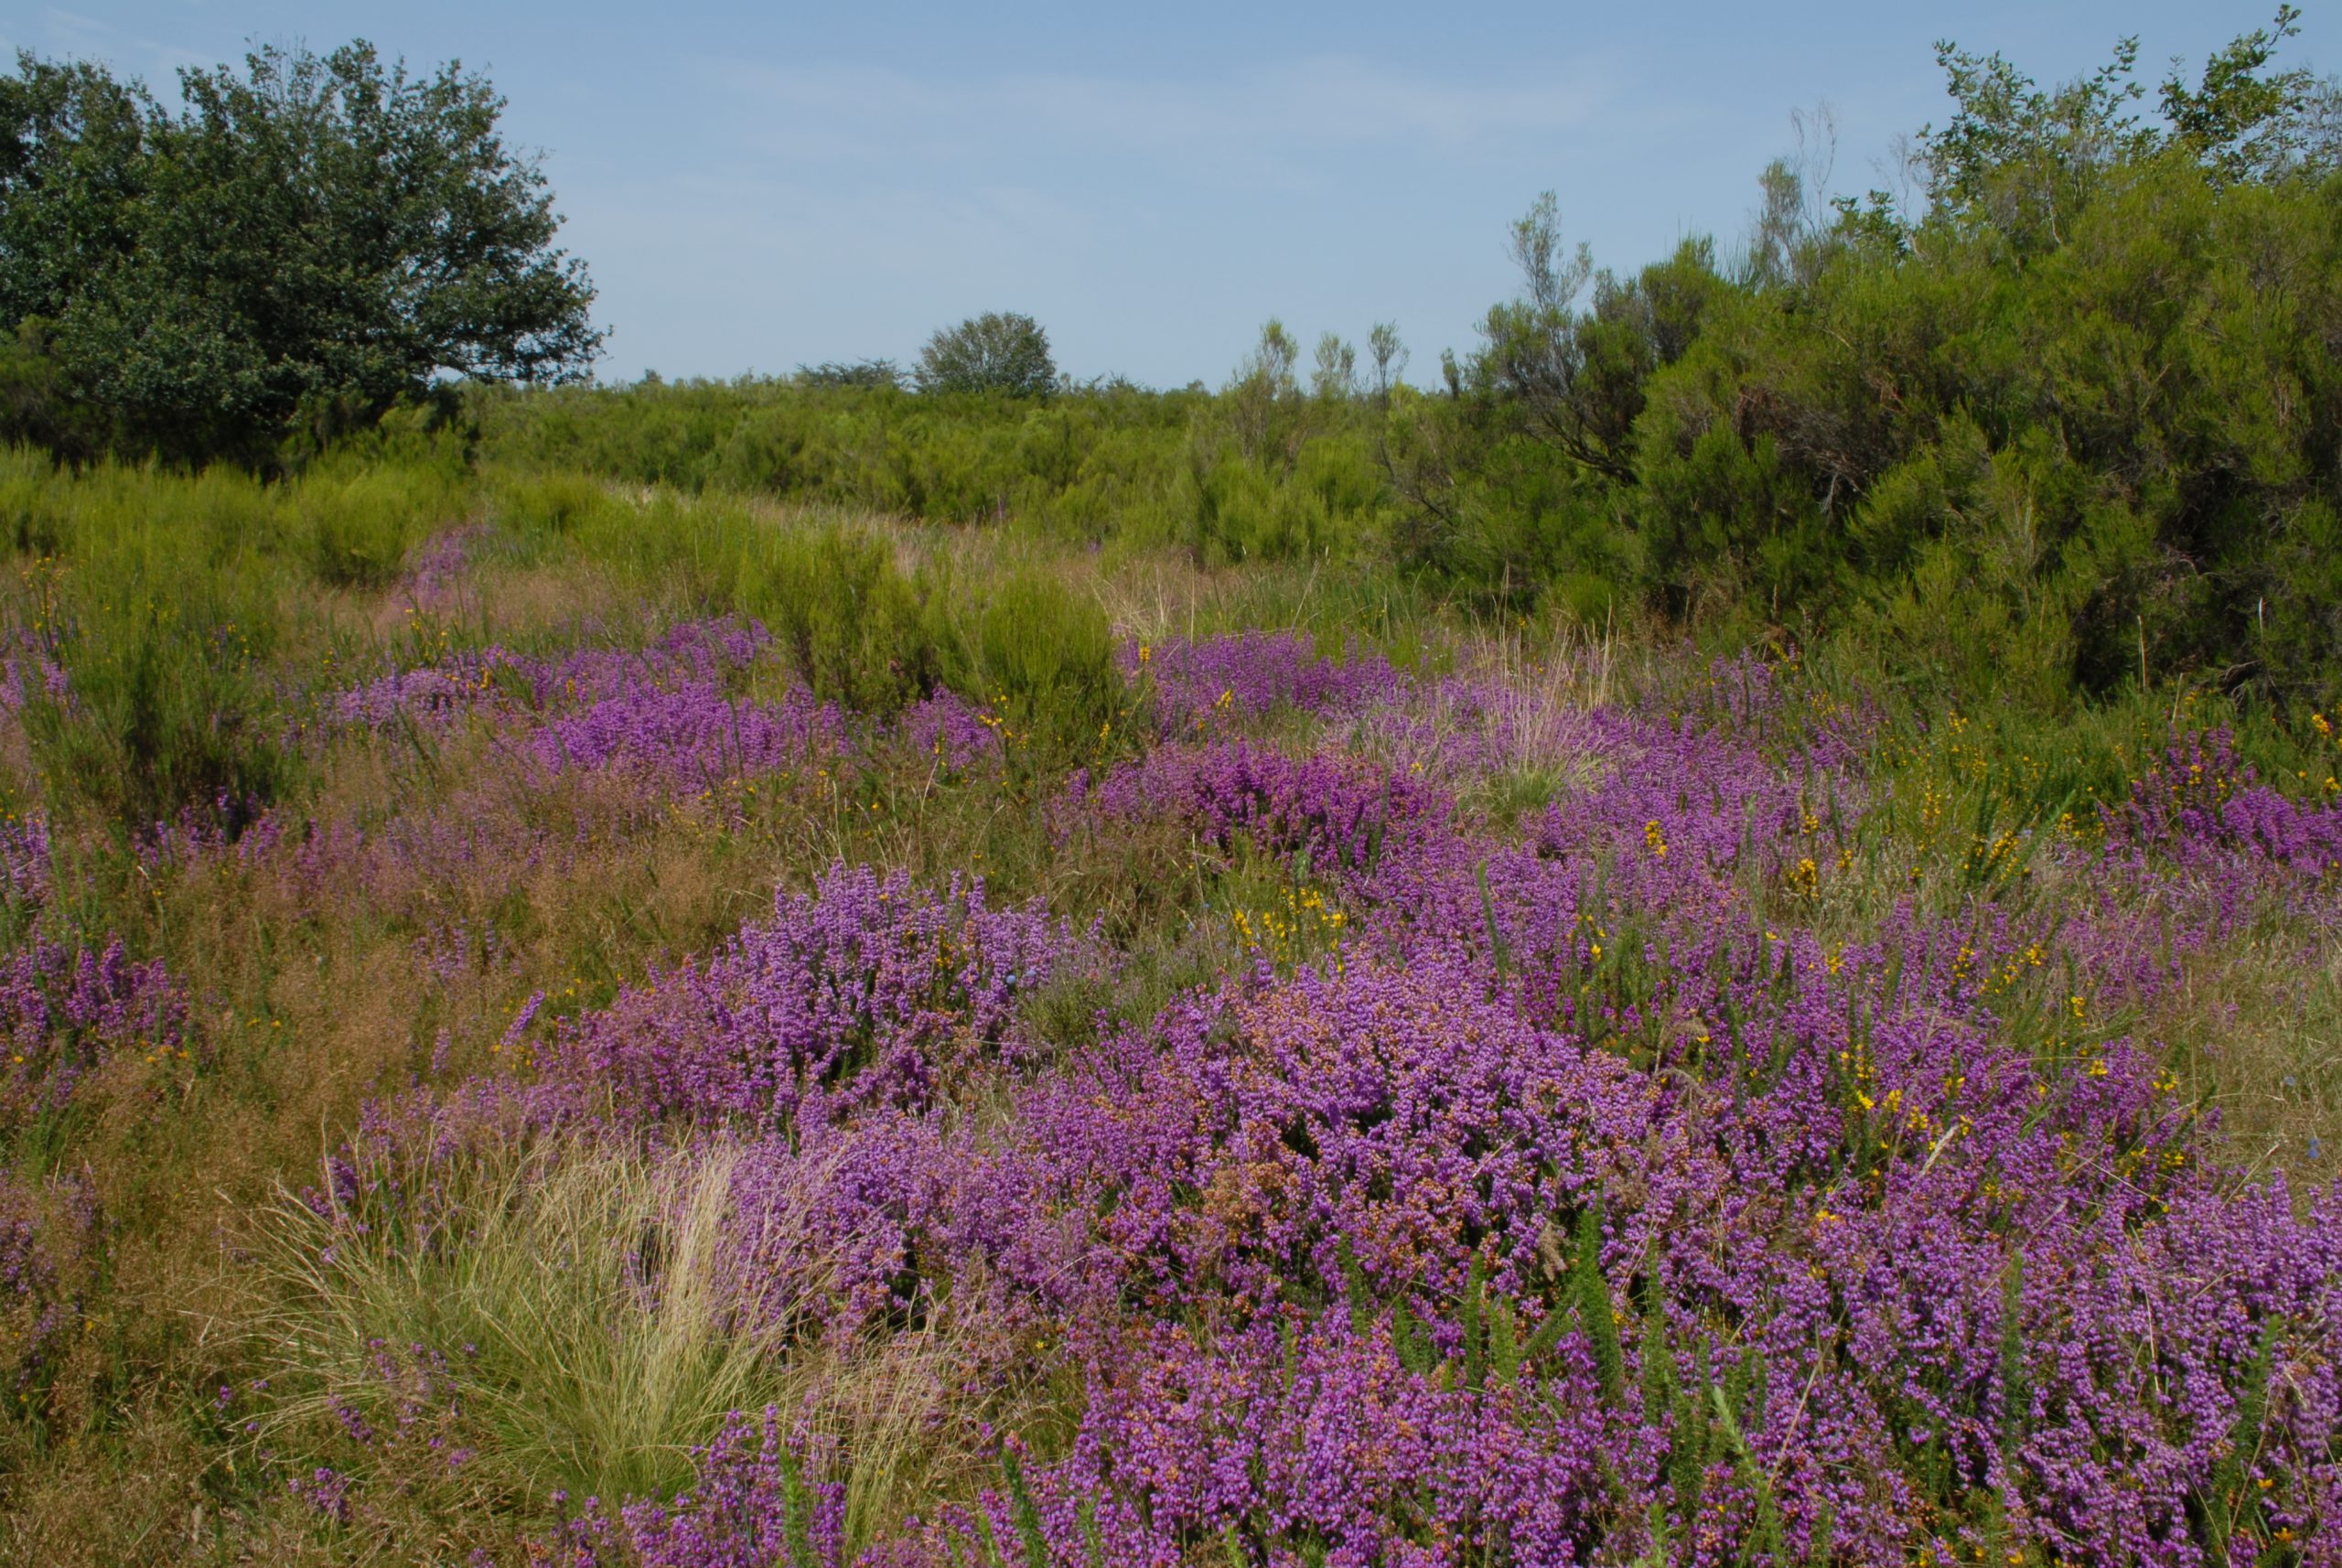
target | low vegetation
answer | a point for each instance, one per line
(1718, 942)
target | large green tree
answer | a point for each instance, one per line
(306, 240)
(997, 351)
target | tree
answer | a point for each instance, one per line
(308, 242)
(1782, 245)
(2239, 123)
(998, 352)
(1575, 377)
(1390, 357)
(1264, 385)
(2023, 159)
(1334, 378)
(2026, 161)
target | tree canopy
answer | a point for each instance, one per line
(308, 240)
(1000, 351)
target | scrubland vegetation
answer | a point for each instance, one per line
(1717, 940)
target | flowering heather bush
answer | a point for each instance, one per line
(24, 869)
(867, 990)
(453, 681)
(1595, 1222)
(947, 728)
(63, 1012)
(37, 1303)
(689, 735)
(1335, 810)
(22, 671)
(1404, 1174)
(428, 691)
(437, 569)
(753, 1507)
(1374, 1268)
(2199, 802)
(1207, 684)
(667, 715)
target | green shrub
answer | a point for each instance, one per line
(165, 706)
(849, 617)
(360, 524)
(1044, 655)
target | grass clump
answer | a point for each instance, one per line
(571, 1323)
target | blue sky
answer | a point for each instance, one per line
(758, 186)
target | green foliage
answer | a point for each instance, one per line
(999, 351)
(1263, 401)
(1091, 463)
(850, 617)
(2238, 123)
(2049, 439)
(1044, 657)
(864, 373)
(37, 408)
(156, 631)
(2055, 436)
(2020, 158)
(2236, 1505)
(301, 244)
(166, 707)
(1027, 1515)
(1590, 1294)
(162, 601)
(359, 520)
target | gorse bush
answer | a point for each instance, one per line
(145, 688)
(361, 522)
(1091, 463)
(161, 606)
(162, 709)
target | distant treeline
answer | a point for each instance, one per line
(2064, 418)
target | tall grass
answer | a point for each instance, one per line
(595, 1297)
(586, 1290)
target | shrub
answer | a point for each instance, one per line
(849, 617)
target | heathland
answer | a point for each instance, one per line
(1717, 939)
